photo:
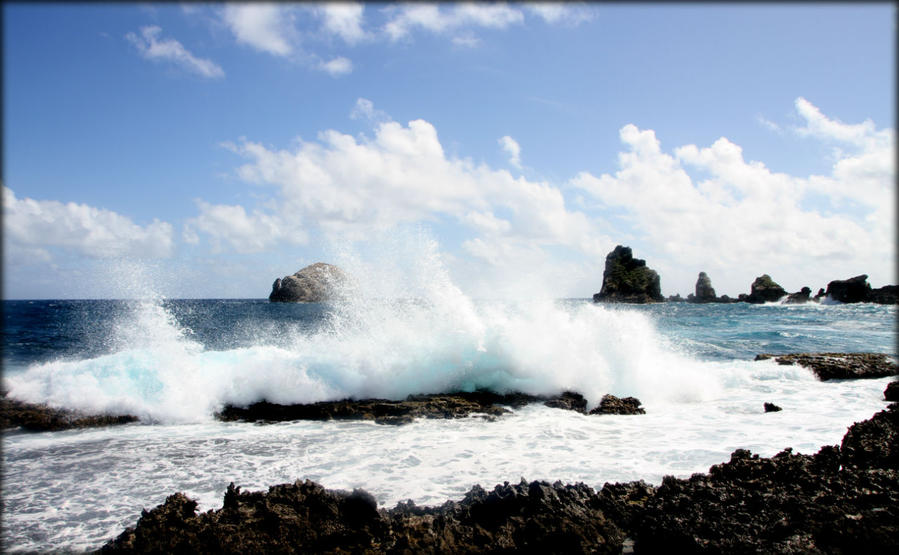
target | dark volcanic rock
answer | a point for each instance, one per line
(41, 418)
(705, 293)
(852, 290)
(888, 294)
(800, 297)
(891, 393)
(675, 299)
(771, 407)
(840, 366)
(764, 290)
(313, 284)
(628, 280)
(443, 405)
(305, 518)
(616, 405)
(786, 504)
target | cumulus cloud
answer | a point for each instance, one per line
(510, 146)
(152, 47)
(406, 18)
(244, 233)
(344, 19)
(744, 219)
(347, 187)
(337, 67)
(265, 27)
(35, 226)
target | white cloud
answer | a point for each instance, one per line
(345, 20)
(265, 27)
(510, 146)
(245, 233)
(573, 13)
(744, 220)
(153, 48)
(438, 18)
(365, 109)
(337, 67)
(39, 225)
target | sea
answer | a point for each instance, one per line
(175, 363)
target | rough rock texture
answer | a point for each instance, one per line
(705, 293)
(800, 297)
(628, 280)
(785, 504)
(891, 393)
(840, 366)
(41, 418)
(616, 405)
(313, 284)
(444, 405)
(303, 517)
(852, 290)
(764, 290)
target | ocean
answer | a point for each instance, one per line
(174, 363)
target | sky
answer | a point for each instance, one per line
(202, 150)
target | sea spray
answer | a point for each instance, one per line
(401, 327)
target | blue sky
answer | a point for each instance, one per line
(175, 142)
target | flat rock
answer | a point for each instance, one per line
(31, 417)
(840, 366)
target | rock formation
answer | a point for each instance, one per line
(800, 297)
(891, 393)
(858, 290)
(763, 290)
(32, 417)
(705, 293)
(313, 284)
(840, 366)
(628, 280)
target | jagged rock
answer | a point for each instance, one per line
(891, 393)
(787, 503)
(304, 517)
(888, 294)
(42, 418)
(800, 297)
(313, 284)
(616, 405)
(764, 290)
(852, 290)
(705, 293)
(628, 280)
(840, 366)
(441, 405)
(771, 407)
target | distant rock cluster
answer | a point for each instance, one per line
(628, 280)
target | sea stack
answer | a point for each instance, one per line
(628, 280)
(313, 284)
(764, 290)
(705, 293)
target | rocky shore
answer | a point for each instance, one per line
(32, 417)
(843, 499)
(445, 405)
(840, 366)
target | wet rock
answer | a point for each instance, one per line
(305, 518)
(313, 284)
(800, 297)
(765, 290)
(616, 405)
(771, 407)
(840, 366)
(891, 393)
(888, 294)
(840, 500)
(32, 417)
(385, 411)
(628, 280)
(852, 290)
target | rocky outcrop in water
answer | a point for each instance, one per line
(705, 293)
(841, 500)
(442, 405)
(891, 393)
(771, 407)
(840, 366)
(313, 284)
(763, 290)
(628, 280)
(858, 290)
(32, 417)
(800, 297)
